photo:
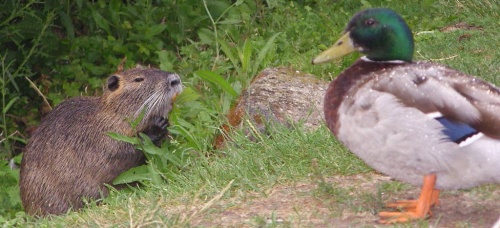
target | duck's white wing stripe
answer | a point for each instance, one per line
(434, 115)
(471, 139)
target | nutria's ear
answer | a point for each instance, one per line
(113, 83)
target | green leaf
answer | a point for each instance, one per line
(100, 21)
(155, 174)
(123, 138)
(135, 122)
(155, 30)
(188, 94)
(229, 53)
(206, 36)
(9, 105)
(150, 148)
(180, 130)
(12, 80)
(215, 78)
(68, 25)
(167, 59)
(14, 197)
(139, 173)
(18, 158)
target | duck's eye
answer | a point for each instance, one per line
(138, 79)
(370, 22)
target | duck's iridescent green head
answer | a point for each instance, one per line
(379, 33)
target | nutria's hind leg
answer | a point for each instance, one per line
(158, 130)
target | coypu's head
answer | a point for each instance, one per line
(132, 92)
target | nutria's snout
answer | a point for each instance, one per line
(174, 79)
(174, 82)
(176, 88)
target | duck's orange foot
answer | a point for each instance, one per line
(409, 212)
(387, 217)
(413, 209)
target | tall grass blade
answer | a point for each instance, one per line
(246, 56)
(229, 53)
(263, 52)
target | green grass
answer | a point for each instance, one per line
(289, 155)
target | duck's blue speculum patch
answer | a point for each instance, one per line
(456, 132)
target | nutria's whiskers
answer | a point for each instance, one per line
(148, 104)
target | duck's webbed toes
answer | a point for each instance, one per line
(413, 209)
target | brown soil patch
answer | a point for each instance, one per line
(341, 201)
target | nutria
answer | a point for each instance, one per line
(70, 156)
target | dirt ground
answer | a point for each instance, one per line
(344, 201)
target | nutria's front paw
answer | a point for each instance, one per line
(158, 130)
(161, 123)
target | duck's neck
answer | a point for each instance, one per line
(366, 59)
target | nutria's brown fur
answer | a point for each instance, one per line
(70, 155)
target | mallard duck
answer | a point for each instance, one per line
(410, 119)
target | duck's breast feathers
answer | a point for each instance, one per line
(346, 84)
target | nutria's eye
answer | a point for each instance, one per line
(138, 79)
(370, 22)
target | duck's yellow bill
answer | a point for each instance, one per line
(342, 47)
